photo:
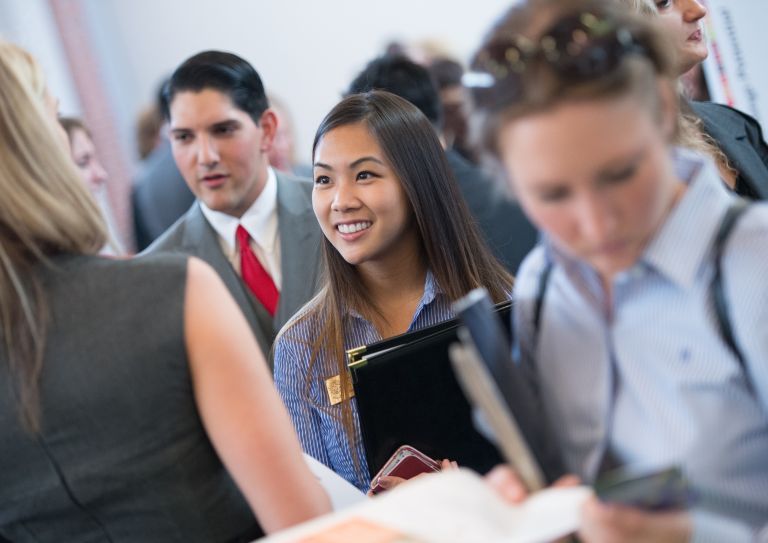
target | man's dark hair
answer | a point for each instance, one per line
(403, 77)
(224, 72)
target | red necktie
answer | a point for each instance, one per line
(254, 274)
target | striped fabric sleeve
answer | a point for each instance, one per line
(291, 365)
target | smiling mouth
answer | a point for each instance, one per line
(696, 36)
(353, 228)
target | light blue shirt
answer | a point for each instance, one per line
(649, 377)
(317, 422)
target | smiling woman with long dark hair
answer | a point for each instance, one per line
(399, 246)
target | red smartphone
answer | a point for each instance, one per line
(405, 463)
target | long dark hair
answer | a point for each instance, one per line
(452, 246)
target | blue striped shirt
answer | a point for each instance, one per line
(647, 375)
(317, 422)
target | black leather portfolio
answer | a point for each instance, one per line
(407, 394)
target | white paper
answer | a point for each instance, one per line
(342, 493)
(457, 506)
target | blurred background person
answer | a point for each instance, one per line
(134, 413)
(282, 154)
(94, 176)
(160, 195)
(149, 130)
(447, 74)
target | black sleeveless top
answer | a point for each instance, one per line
(122, 454)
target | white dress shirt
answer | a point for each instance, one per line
(260, 221)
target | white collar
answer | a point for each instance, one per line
(259, 220)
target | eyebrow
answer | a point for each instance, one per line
(353, 164)
(219, 124)
(621, 163)
(226, 124)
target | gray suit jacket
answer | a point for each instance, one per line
(299, 249)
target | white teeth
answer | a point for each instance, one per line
(354, 227)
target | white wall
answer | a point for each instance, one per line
(30, 24)
(736, 69)
(306, 51)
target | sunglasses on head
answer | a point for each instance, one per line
(578, 47)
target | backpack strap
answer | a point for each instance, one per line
(541, 292)
(716, 288)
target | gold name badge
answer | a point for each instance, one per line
(333, 387)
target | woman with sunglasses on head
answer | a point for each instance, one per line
(136, 405)
(399, 247)
(733, 139)
(614, 310)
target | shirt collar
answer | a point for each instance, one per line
(682, 242)
(260, 220)
(680, 247)
(431, 290)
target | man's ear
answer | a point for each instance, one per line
(268, 123)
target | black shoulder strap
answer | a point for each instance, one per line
(716, 288)
(540, 294)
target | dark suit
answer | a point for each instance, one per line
(299, 253)
(502, 222)
(740, 137)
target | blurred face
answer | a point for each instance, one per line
(358, 200)
(84, 155)
(281, 153)
(682, 20)
(595, 176)
(219, 150)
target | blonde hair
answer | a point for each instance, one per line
(45, 210)
(26, 68)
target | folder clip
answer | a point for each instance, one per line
(355, 358)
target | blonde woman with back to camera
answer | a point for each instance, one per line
(138, 406)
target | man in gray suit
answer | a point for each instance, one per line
(253, 225)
